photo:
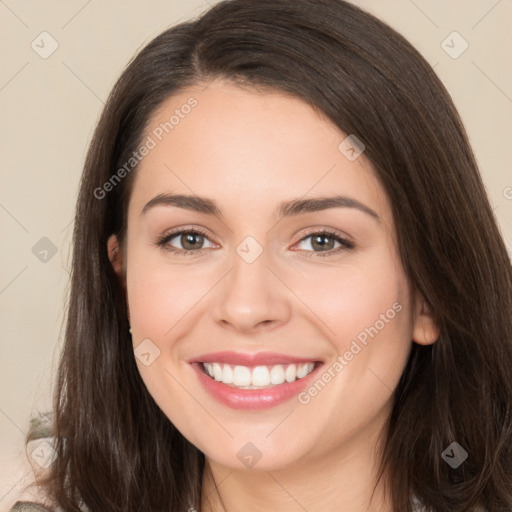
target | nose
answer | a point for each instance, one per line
(251, 297)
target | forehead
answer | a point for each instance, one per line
(251, 148)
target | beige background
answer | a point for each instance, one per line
(49, 109)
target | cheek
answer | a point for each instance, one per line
(161, 299)
(370, 318)
(161, 294)
(366, 315)
(350, 300)
(375, 337)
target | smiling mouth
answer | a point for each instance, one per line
(257, 377)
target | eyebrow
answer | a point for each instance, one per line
(285, 209)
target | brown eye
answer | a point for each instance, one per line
(324, 242)
(189, 241)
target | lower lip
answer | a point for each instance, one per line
(253, 399)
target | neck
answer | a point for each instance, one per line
(343, 479)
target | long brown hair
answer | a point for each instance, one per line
(117, 451)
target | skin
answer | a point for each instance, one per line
(249, 150)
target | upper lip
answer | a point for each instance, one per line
(248, 359)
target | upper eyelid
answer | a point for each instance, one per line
(329, 231)
(180, 231)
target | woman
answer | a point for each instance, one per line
(289, 291)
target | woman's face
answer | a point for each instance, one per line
(264, 295)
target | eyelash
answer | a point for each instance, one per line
(345, 244)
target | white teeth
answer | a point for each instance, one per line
(259, 376)
(227, 374)
(209, 368)
(291, 373)
(302, 370)
(217, 371)
(277, 374)
(241, 376)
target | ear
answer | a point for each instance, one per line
(425, 331)
(115, 255)
(116, 258)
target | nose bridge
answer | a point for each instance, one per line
(251, 294)
(250, 268)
